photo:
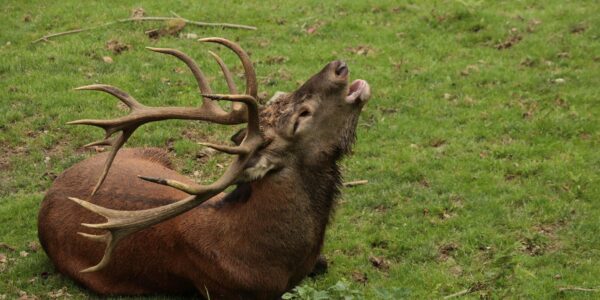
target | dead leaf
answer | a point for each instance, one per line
(379, 262)
(24, 296)
(510, 41)
(33, 246)
(278, 59)
(23, 254)
(579, 28)
(381, 208)
(315, 27)
(456, 270)
(359, 276)
(532, 26)
(107, 59)
(2, 258)
(469, 69)
(138, 12)
(446, 215)
(448, 96)
(361, 50)
(446, 250)
(284, 75)
(437, 143)
(170, 143)
(528, 62)
(205, 153)
(117, 47)
(7, 246)
(61, 293)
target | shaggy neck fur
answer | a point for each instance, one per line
(324, 182)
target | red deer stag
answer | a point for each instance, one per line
(167, 234)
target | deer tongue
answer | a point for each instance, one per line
(359, 91)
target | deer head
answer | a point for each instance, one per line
(307, 128)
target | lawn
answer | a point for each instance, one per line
(480, 142)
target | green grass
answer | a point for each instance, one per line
(483, 164)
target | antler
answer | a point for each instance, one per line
(140, 114)
(123, 223)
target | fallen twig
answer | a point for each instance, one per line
(458, 294)
(355, 183)
(133, 19)
(576, 288)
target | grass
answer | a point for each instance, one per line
(482, 162)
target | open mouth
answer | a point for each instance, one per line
(359, 90)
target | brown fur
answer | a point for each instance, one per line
(254, 243)
(209, 242)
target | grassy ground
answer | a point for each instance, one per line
(480, 142)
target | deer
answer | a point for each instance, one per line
(124, 222)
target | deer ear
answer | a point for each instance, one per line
(301, 118)
(257, 168)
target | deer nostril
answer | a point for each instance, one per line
(342, 69)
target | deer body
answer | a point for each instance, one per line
(166, 234)
(250, 241)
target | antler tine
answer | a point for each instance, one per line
(238, 108)
(226, 73)
(251, 143)
(109, 127)
(123, 223)
(200, 78)
(251, 83)
(123, 96)
(251, 105)
(116, 145)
